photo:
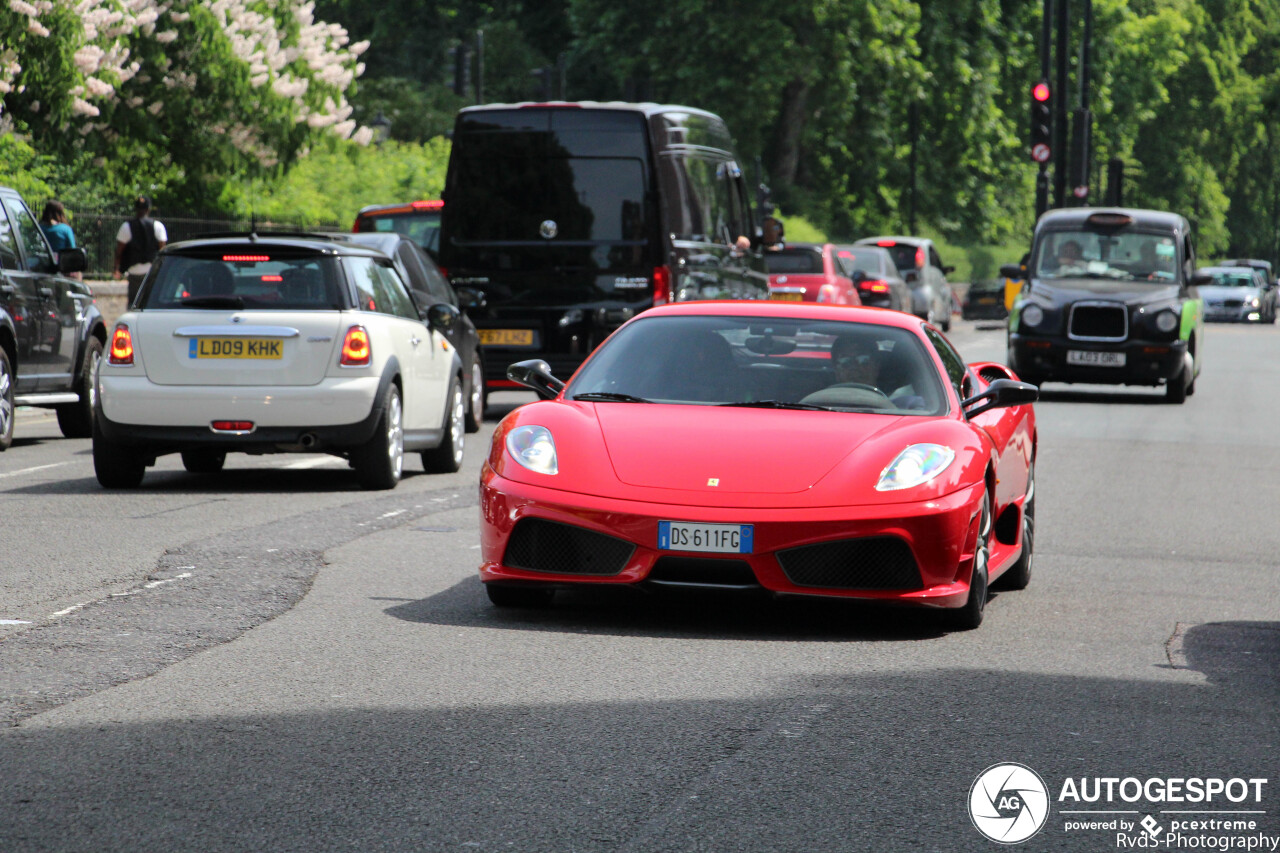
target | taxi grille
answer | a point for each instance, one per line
(882, 562)
(1099, 322)
(538, 545)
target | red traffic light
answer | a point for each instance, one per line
(1041, 91)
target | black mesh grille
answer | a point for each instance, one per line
(695, 570)
(1233, 303)
(538, 545)
(883, 562)
(991, 374)
(1098, 321)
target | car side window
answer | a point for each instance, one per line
(951, 359)
(393, 294)
(38, 255)
(8, 243)
(364, 275)
(437, 287)
(934, 259)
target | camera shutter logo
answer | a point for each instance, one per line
(1008, 803)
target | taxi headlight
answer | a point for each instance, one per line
(916, 465)
(1032, 316)
(534, 448)
(1166, 321)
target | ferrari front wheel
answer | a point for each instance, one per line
(969, 616)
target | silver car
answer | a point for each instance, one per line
(1239, 294)
(923, 271)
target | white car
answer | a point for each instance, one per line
(276, 344)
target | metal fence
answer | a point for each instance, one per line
(96, 231)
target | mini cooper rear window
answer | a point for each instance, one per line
(239, 278)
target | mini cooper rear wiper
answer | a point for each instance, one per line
(778, 404)
(610, 397)
(213, 302)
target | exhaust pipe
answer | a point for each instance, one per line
(308, 440)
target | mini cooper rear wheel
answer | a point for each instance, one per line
(970, 616)
(380, 461)
(76, 419)
(203, 461)
(519, 596)
(117, 466)
(476, 404)
(1019, 575)
(447, 457)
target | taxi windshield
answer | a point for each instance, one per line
(764, 363)
(1124, 255)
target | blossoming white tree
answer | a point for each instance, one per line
(188, 91)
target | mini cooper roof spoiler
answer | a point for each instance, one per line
(1110, 220)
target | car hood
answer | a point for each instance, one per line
(1215, 292)
(1128, 292)
(713, 456)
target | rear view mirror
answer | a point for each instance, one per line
(1000, 393)
(948, 270)
(72, 260)
(470, 299)
(1201, 279)
(1013, 271)
(536, 374)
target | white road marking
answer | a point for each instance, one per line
(72, 609)
(14, 622)
(155, 584)
(30, 470)
(392, 514)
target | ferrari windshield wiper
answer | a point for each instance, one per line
(213, 302)
(610, 397)
(777, 404)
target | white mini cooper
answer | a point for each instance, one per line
(278, 344)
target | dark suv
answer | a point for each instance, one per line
(51, 333)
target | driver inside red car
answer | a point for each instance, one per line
(860, 362)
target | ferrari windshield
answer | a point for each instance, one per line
(1123, 255)
(766, 363)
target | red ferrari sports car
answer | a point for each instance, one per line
(799, 448)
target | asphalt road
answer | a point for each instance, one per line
(298, 665)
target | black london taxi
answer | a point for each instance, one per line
(1110, 297)
(563, 220)
(51, 333)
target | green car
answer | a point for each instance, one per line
(1111, 297)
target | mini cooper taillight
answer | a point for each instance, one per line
(356, 350)
(121, 346)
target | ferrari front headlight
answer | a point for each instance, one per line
(916, 465)
(534, 448)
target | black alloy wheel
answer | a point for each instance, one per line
(479, 397)
(76, 419)
(7, 408)
(969, 616)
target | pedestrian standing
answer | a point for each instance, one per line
(53, 222)
(137, 244)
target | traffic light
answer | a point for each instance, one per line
(1041, 122)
